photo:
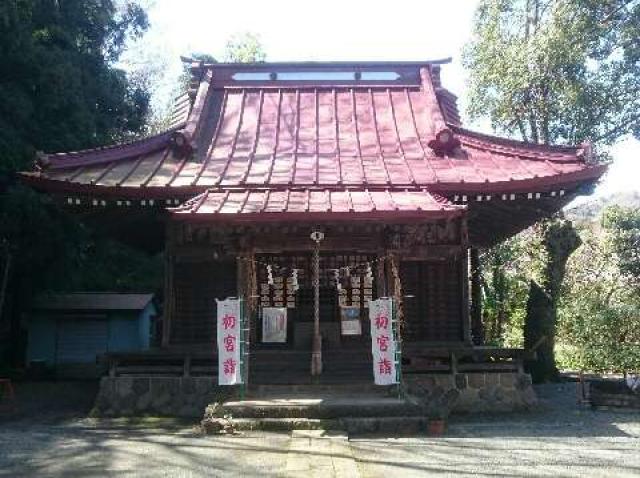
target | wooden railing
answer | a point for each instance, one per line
(419, 358)
(179, 364)
(416, 358)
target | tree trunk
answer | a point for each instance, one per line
(560, 240)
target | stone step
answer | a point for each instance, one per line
(321, 406)
(302, 380)
(368, 388)
(397, 426)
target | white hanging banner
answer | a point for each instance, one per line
(383, 345)
(229, 336)
(274, 324)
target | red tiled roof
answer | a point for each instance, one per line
(296, 132)
(310, 204)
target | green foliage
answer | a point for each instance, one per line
(41, 239)
(53, 252)
(623, 226)
(557, 71)
(600, 307)
(504, 290)
(507, 270)
(244, 48)
(59, 90)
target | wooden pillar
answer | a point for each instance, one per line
(241, 276)
(477, 329)
(169, 291)
(381, 279)
(395, 288)
(252, 295)
(464, 281)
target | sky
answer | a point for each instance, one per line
(303, 30)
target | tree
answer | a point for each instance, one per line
(599, 311)
(59, 89)
(623, 226)
(559, 240)
(244, 48)
(557, 71)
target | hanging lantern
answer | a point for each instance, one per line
(270, 274)
(336, 278)
(369, 272)
(294, 279)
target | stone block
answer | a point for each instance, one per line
(529, 397)
(159, 400)
(488, 392)
(508, 380)
(140, 385)
(188, 385)
(189, 411)
(124, 386)
(450, 398)
(435, 393)
(492, 379)
(205, 385)
(445, 381)
(143, 402)
(426, 383)
(523, 381)
(164, 385)
(476, 380)
(108, 386)
(467, 401)
(499, 395)
(461, 381)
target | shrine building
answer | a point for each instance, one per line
(364, 163)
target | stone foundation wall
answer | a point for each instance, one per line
(188, 396)
(157, 396)
(613, 394)
(474, 392)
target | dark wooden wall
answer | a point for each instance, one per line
(196, 285)
(434, 313)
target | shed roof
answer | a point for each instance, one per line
(92, 301)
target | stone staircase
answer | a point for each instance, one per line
(355, 408)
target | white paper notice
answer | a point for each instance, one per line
(274, 324)
(383, 346)
(350, 320)
(229, 363)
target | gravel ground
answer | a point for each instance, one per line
(49, 436)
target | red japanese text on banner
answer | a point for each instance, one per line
(229, 335)
(383, 345)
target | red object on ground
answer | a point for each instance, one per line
(436, 427)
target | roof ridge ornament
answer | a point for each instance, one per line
(184, 140)
(586, 152)
(42, 160)
(444, 140)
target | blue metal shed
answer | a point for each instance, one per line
(69, 331)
